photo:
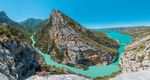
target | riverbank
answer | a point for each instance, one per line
(92, 71)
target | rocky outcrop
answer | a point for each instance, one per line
(70, 43)
(7, 67)
(135, 61)
(57, 77)
(137, 56)
(17, 61)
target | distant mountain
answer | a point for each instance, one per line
(3, 16)
(4, 19)
(32, 24)
(125, 28)
(70, 43)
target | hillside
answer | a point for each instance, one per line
(139, 50)
(18, 59)
(137, 32)
(6, 21)
(32, 24)
(70, 43)
(135, 61)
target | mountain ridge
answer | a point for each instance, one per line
(4, 19)
(67, 37)
(33, 24)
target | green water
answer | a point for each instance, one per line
(93, 71)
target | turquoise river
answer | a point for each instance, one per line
(93, 71)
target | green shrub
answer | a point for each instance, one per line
(140, 58)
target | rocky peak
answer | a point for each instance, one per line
(2, 13)
(60, 20)
(3, 17)
(72, 44)
(57, 18)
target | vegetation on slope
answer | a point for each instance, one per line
(32, 24)
(99, 37)
(12, 33)
(108, 77)
(137, 32)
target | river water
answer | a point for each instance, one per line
(93, 71)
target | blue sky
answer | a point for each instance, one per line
(90, 13)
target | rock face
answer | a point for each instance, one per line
(57, 77)
(137, 56)
(17, 61)
(135, 61)
(72, 44)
